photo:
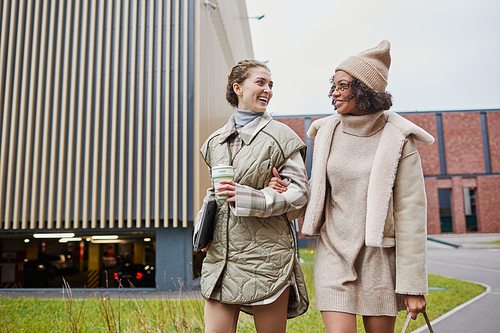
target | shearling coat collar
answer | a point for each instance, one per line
(382, 176)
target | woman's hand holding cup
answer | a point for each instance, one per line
(227, 187)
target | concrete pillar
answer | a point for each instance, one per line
(457, 206)
(94, 266)
(433, 218)
(139, 253)
(81, 253)
(32, 250)
(174, 256)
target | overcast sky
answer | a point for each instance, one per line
(445, 53)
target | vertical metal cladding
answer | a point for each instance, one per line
(96, 113)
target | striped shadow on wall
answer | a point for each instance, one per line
(96, 104)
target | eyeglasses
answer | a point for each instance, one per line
(342, 87)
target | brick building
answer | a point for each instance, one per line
(461, 169)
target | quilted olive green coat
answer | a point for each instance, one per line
(253, 256)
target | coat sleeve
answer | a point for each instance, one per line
(410, 223)
(268, 202)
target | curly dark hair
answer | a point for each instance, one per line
(367, 99)
(239, 73)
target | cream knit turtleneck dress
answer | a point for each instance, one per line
(349, 276)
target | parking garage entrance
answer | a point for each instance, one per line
(82, 259)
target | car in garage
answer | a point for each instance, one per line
(62, 263)
(136, 275)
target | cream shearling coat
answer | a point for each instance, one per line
(390, 221)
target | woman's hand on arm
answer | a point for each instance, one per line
(277, 183)
(228, 187)
(415, 304)
(268, 202)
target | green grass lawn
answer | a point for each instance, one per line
(494, 242)
(98, 313)
(307, 254)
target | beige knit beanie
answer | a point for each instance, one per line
(370, 66)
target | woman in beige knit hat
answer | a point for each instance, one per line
(367, 202)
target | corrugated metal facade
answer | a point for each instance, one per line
(104, 105)
(223, 40)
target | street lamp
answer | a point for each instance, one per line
(258, 18)
(211, 4)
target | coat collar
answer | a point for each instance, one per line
(382, 175)
(406, 127)
(248, 132)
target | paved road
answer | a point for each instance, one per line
(475, 262)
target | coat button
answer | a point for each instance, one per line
(257, 214)
(291, 250)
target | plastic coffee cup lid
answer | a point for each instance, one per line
(222, 170)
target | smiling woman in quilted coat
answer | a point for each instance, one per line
(251, 263)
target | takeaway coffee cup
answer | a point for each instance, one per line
(219, 173)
